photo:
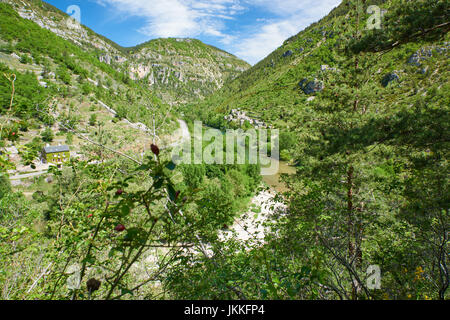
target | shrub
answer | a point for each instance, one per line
(47, 135)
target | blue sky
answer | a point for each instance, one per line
(250, 29)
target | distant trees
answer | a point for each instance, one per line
(93, 120)
(23, 93)
(47, 135)
(193, 175)
(288, 141)
(68, 121)
(64, 75)
(371, 163)
(25, 59)
(86, 88)
(370, 189)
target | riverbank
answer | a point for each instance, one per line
(250, 228)
(273, 181)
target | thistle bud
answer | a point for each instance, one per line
(155, 149)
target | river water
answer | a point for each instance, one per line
(273, 181)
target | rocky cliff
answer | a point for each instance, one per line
(176, 70)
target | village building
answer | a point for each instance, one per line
(57, 155)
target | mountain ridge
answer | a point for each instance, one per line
(298, 71)
(122, 58)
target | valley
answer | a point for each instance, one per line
(93, 205)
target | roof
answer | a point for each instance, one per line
(56, 149)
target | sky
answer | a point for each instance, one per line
(249, 29)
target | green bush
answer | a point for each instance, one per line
(47, 135)
(93, 120)
(5, 185)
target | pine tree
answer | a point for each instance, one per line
(47, 135)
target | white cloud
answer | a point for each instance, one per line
(178, 18)
(255, 37)
(294, 16)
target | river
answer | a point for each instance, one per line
(273, 181)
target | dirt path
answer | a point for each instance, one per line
(28, 175)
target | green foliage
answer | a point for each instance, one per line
(118, 217)
(5, 186)
(93, 119)
(193, 175)
(68, 121)
(47, 135)
(10, 132)
(86, 88)
(288, 141)
(26, 59)
(71, 62)
(69, 138)
(405, 22)
(28, 93)
(370, 188)
(31, 151)
(64, 75)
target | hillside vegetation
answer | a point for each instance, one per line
(175, 70)
(363, 118)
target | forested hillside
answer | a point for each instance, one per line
(183, 70)
(364, 116)
(62, 69)
(118, 209)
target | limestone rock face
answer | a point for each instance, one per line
(419, 56)
(389, 78)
